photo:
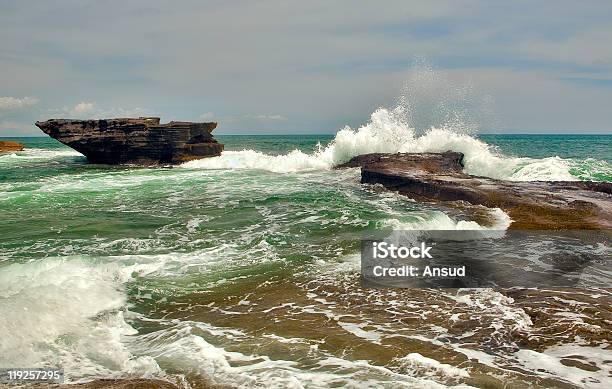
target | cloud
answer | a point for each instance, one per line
(253, 117)
(11, 103)
(321, 65)
(91, 110)
(266, 117)
(83, 108)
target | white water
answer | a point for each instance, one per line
(70, 313)
(437, 220)
(389, 131)
(67, 312)
(37, 154)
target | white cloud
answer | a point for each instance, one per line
(266, 117)
(83, 108)
(91, 110)
(321, 66)
(272, 117)
(10, 103)
(252, 118)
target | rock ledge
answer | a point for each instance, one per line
(8, 146)
(142, 141)
(545, 205)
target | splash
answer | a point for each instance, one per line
(389, 131)
(70, 313)
(432, 114)
(499, 221)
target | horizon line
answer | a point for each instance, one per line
(332, 134)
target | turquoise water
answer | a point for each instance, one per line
(572, 146)
(242, 269)
(589, 157)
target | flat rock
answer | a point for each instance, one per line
(141, 141)
(531, 205)
(8, 146)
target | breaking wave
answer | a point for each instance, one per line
(389, 131)
(70, 312)
(39, 154)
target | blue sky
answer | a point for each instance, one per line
(307, 67)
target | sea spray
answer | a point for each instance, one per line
(390, 131)
(433, 114)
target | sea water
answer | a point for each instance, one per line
(243, 269)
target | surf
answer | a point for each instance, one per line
(389, 131)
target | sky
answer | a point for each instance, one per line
(283, 67)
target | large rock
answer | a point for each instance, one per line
(531, 205)
(7, 146)
(142, 141)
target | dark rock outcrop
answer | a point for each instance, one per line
(531, 205)
(142, 141)
(8, 146)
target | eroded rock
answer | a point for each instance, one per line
(8, 146)
(531, 205)
(142, 141)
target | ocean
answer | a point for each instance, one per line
(244, 269)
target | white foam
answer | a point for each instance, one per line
(181, 348)
(66, 312)
(35, 154)
(430, 366)
(250, 159)
(437, 220)
(481, 159)
(548, 364)
(389, 131)
(496, 305)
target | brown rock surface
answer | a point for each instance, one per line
(7, 146)
(142, 141)
(531, 205)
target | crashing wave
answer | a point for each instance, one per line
(389, 131)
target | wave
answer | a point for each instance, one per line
(437, 220)
(295, 161)
(73, 313)
(186, 345)
(592, 169)
(389, 131)
(70, 313)
(36, 153)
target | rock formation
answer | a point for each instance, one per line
(142, 141)
(531, 205)
(7, 146)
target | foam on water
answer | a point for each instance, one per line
(549, 364)
(69, 313)
(185, 345)
(389, 131)
(72, 311)
(38, 154)
(437, 220)
(428, 366)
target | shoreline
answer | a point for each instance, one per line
(439, 177)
